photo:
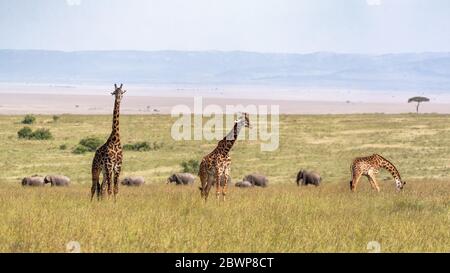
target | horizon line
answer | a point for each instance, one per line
(228, 51)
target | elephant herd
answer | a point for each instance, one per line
(304, 178)
(53, 180)
(252, 180)
(64, 181)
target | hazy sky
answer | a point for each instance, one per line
(299, 26)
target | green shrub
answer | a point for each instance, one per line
(190, 166)
(80, 149)
(143, 146)
(39, 134)
(28, 119)
(88, 144)
(63, 147)
(91, 143)
(25, 132)
(138, 147)
(42, 134)
(55, 118)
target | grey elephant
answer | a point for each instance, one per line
(134, 181)
(257, 180)
(57, 180)
(181, 179)
(33, 181)
(308, 178)
(244, 184)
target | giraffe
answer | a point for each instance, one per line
(108, 158)
(215, 167)
(369, 166)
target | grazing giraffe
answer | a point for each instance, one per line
(215, 167)
(108, 158)
(369, 166)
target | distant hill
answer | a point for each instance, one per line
(424, 71)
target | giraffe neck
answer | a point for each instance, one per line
(228, 141)
(384, 163)
(115, 133)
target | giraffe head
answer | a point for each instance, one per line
(244, 120)
(399, 184)
(118, 92)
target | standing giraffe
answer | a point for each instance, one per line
(108, 158)
(215, 167)
(369, 166)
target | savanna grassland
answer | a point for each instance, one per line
(280, 218)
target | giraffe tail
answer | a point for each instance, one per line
(352, 174)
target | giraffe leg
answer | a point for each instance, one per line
(117, 172)
(204, 182)
(225, 187)
(371, 182)
(109, 187)
(207, 183)
(226, 179)
(109, 181)
(95, 181)
(100, 189)
(374, 183)
(355, 181)
(208, 186)
(218, 183)
(203, 174)
(371, 175)
(106, 181)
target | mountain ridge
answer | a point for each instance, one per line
(403, 71)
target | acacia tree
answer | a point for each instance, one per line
(419, 100)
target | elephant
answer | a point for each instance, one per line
(181, 179)
(57, 180)
(135, 181)
(308, 178)
(257, 180)
(244, 184)
(34, 181)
